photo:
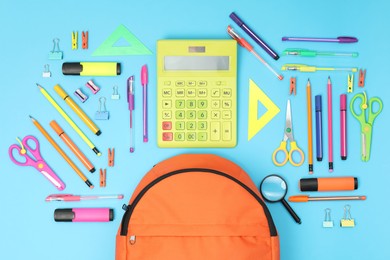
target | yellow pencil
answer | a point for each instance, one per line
(67, 118)
(309, 127)
(61, 152)
(76, 108)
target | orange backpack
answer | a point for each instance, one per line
(196, 206)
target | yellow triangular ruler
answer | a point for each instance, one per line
(255, 124)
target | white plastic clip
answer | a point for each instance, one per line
(328, 223)
(115, 94)
(46, 73)
(102, 113)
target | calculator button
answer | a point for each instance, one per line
(226, 131)
(226, 92)
(179, 114)
(167, 104)
(179, 83)
(215, 92)
(191, 92)
(191, 125)
(180, 103)
(179, 136)
(167, 83)
(202, 125)
(167, 114)
(202, 114)
(202, 83)
(220, 83)
(226, 114)
(202, 136)
(167, 125)
(167, 92)
(227, 104)
(215, 114)
(179, 125)
(215, 131)
(167, 136)
(190, 114)
(202, 92)
(191, 104)
(202, 103)
(191, 83)
(180, 92)
(191, 136)
(215, 104)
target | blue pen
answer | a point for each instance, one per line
(318, 106)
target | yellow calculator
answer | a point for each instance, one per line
(196, 93)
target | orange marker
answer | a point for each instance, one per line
(328, 184)
(61, 152)
(72, 146)
(309, 127)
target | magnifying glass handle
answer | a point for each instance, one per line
(291, 211)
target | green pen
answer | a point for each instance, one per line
(311, 53)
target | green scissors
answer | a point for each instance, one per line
(288, 135)
(366, 123)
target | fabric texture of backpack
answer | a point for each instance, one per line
(197, 206)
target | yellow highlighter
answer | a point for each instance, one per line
(69, 120)
(91, 68)
(76, 108)
(309, 68)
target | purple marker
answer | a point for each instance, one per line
(340, 39)
(254, 36)
(318, 106)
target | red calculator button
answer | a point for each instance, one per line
(167, 125)
(168, 136)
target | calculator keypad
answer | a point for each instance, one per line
(197, 113)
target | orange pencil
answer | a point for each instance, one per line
(61, 152)
(309, 127)
(79, 154)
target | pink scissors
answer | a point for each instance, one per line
(38, 163)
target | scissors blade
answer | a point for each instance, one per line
(288, 134)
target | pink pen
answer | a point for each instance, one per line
(343, 126)
(330, 127)
(130, 101)
(144, 83)
(70, 197)
(84, 215)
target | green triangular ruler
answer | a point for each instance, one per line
(256, 123)
(135, 47)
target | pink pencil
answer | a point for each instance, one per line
(330, 127)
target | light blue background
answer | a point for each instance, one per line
(28, 230)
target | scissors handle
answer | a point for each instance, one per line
(282, 149)
(362, 106)
(371, 114)
(294, 148)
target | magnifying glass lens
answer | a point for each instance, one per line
(273, 188)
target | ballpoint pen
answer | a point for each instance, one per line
(249, 47)
(318, 106)
(343, 126)
(340, 39)
(309, 68)
(70, 197)
(330, 126)
(312, 53)
(130, 101)
(144, 83)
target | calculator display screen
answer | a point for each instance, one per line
(196, 62)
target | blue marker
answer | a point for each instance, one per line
(318, 106)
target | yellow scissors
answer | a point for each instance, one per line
(288, 135)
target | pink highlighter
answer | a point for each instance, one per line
(343, 126)
(84, 215)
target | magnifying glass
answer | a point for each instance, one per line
(274, 189)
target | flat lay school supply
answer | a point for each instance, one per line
(362, 109)
(92, 86)
(75, 36)
(91, 68)
(254, 36)
(293, 85)
(347, 220)
(343, 126)
(102, 113)
(313, 53)
(130, 101)
(32, 157)
(56, 53)
(61, 152)
(103, 177)
(84, 215)
(282, 149)
(329, 184)
(330, 125)
(340, 39)
(196, 93)
(310, 68)
(306, 198)
(249, 47)
(72, 146)
(80, 95)
(350, 83)
(77, 109)
(362, 77)
(144, 83)
(319, 144)
(115, 94)
(309, 127)
(69, 120)
(84, 39)
(327, 223)
(111, 157)
(46, 73)
(72, 198)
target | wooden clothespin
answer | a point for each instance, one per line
(293, 86)
(74, 40)
(362, 77)
(84, 36)
(350, 83)
(103, 177)
(111, 154)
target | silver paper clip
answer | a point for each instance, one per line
(328, 223)
(56, 53)
(347, 220)
(102, 113)
(46, 73)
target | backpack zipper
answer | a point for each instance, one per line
(130, 208)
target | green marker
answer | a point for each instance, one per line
(310, 53)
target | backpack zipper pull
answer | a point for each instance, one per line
(132, 239)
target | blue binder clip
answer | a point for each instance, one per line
(102, 113)
(56, 53)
